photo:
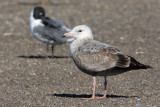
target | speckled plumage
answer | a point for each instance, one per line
(94, 58)
(99, 59)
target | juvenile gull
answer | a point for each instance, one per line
(48, 30)
(99, 59)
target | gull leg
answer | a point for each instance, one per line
(52, 51)
(105, 88)
(47, 48)
(94, 89)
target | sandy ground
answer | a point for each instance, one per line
(27, 79)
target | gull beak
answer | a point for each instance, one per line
(68, 34)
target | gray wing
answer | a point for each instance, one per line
(55, 24)
(50, 35)
(96, 56)
(52, 31)
(63, 25)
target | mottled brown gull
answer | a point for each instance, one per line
(99, 59)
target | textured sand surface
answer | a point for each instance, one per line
(27, 79)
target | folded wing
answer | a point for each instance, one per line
(96, 56)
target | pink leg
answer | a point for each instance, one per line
(105, 88)
(94, 89)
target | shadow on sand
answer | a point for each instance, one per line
(41, 57)
(88, 96)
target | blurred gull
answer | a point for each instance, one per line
(99, 59)
(48, 30)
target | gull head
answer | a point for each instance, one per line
(80, 32)
(38, 12)
(36, 16)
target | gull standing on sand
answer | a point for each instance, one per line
(99, 59)
(48, 30)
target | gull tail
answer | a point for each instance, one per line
(136, 65)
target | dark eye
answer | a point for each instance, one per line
(79, 30)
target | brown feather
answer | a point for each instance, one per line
(96, 56)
